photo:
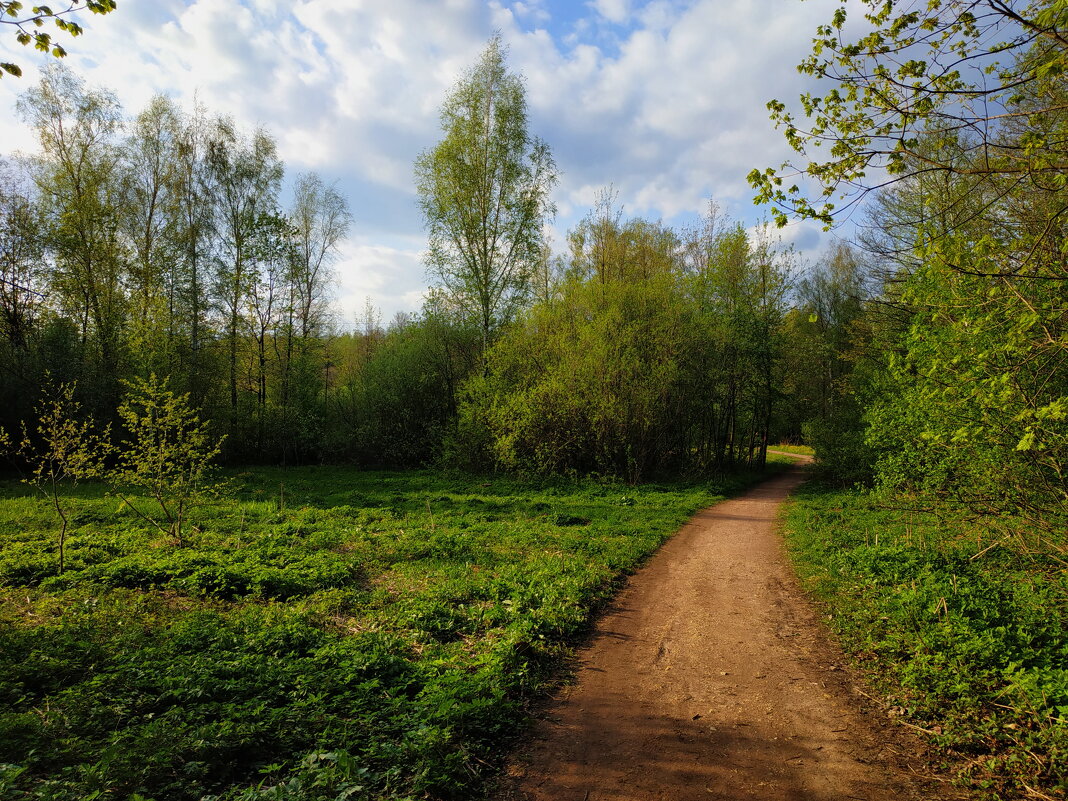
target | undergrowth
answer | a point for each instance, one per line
(967, 642)
(323, 634)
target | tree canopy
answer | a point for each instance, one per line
(484, 192)
(966, 72)
(953, 117)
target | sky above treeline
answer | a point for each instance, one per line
(663, 100)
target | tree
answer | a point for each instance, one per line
(321, 218)
(168, 453)
(824, 335)
(957, 114)
(79, 181)
(972, 400)
(830, 299)
(484, 193)
(192, 212)
(942, 68)
(271, 256)
(28, 25)
(246, 173)
(22, 273)
(149, 159)
(63, 449)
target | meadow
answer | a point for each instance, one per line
(321, 633)
(963, 634)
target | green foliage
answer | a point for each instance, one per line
(842, 455)
(382, 631)
(399, 387)
(61, 450)
(965, 639)
(156, 245)
(821, 335)
(966, 396)
(587, 383)
(168, 451)
(650, 355)
(28, 25)
(80, 168)
(969, 405)
(484, 192)
(964, 71)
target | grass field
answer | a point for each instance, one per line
(966, 642)
(325, 633)
(804, 450)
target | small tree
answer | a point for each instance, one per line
(62, 450)
(168, 453)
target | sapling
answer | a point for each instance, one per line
(62, 450)
(168, 454)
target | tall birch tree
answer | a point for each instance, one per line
(484, 192)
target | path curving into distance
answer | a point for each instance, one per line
(711, 677)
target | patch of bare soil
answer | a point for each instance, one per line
(712, 677)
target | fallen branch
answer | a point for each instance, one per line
(987, 548)
(1033, 793)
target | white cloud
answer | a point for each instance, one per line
(664, 99)
(615, 11)
(392, 277)
(531, 9)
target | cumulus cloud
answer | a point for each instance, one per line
(615, 11)
(391, 276)
(663, 99)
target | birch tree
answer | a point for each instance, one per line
(484, 192)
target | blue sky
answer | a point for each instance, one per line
(664, 100)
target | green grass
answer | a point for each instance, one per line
(804, 450)
(966, 643)
(326, 633)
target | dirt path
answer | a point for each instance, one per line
(711, 678)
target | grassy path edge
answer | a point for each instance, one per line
(971, 652)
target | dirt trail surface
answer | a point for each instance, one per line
(711, 678)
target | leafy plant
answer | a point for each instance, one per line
(168, 453)
(62, 450)
(964, 641)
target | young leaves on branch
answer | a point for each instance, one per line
(29, 22)
(167, 454)
(938, 69)
(63, 449)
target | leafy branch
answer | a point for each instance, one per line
(28, 25)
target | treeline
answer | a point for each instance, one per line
(159, 245)
(651, 351)
(642, 351)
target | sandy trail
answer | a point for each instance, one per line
(711, 678)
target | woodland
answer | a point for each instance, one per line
(230, 516)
